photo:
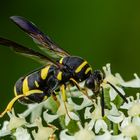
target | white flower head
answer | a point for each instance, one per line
(15, 121)
(22, 133)
(133, 106)
(129, 128)
(62, 112)
(43, 133)
(4, 130)
(114, 114)
(96, 114)
(35, 110)
(64, 136)
(135, 83)
(114, 80)
(105, 136)
(85, 133)
(86, 102)
(109, 76)
(96, 117)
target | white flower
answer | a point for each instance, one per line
(105, 136)
(108, 136)
(86, 102)
(35, 110)
(118, 80)
(130, 128)
(114, 80)
(43, 133)
(109, 76)
(21, 134)
(64, 136)
(15, 121)
(133, 106)
(135, 83)
(115, 115)
(96, 117)
(62, 112)
(88, 135)
(4, 131)
(83, 134)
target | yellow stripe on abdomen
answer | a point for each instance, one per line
(61, 60)
(15, 91)
(25, 87)
(59, 76)
(80, 67)
(34, 91)
(44, 72)
(36, 84)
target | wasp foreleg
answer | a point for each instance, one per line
(64, 98)
(83, 90)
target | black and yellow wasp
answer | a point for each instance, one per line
(60, 70)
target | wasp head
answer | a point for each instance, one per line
(94, 80)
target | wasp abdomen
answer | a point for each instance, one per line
(35, 82)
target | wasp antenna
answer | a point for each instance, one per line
(120, 94)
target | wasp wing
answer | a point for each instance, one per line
(44, 42)
(26, 51)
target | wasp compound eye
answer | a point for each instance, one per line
(89, 83)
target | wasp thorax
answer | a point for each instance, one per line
(94, 81)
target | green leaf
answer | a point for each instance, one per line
(118, 101)
(72, 127)
(107, 98)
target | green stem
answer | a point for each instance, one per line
(115, 129)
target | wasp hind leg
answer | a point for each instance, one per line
(55, 98)
(11, 103)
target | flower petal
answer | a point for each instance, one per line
(86, 102)
(21, 134)
(72, 115)
(49, 117)
(15, 121)
(105, 136)
(135, 83)
(5, 131)
(87, 113)
(84, 134)
(67, 119)
(64, 136)
(100, 124)
(113, 93)
(115, 115)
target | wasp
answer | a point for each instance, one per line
(61, 69)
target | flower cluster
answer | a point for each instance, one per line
(83, 118)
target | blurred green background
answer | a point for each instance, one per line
(99, 31)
